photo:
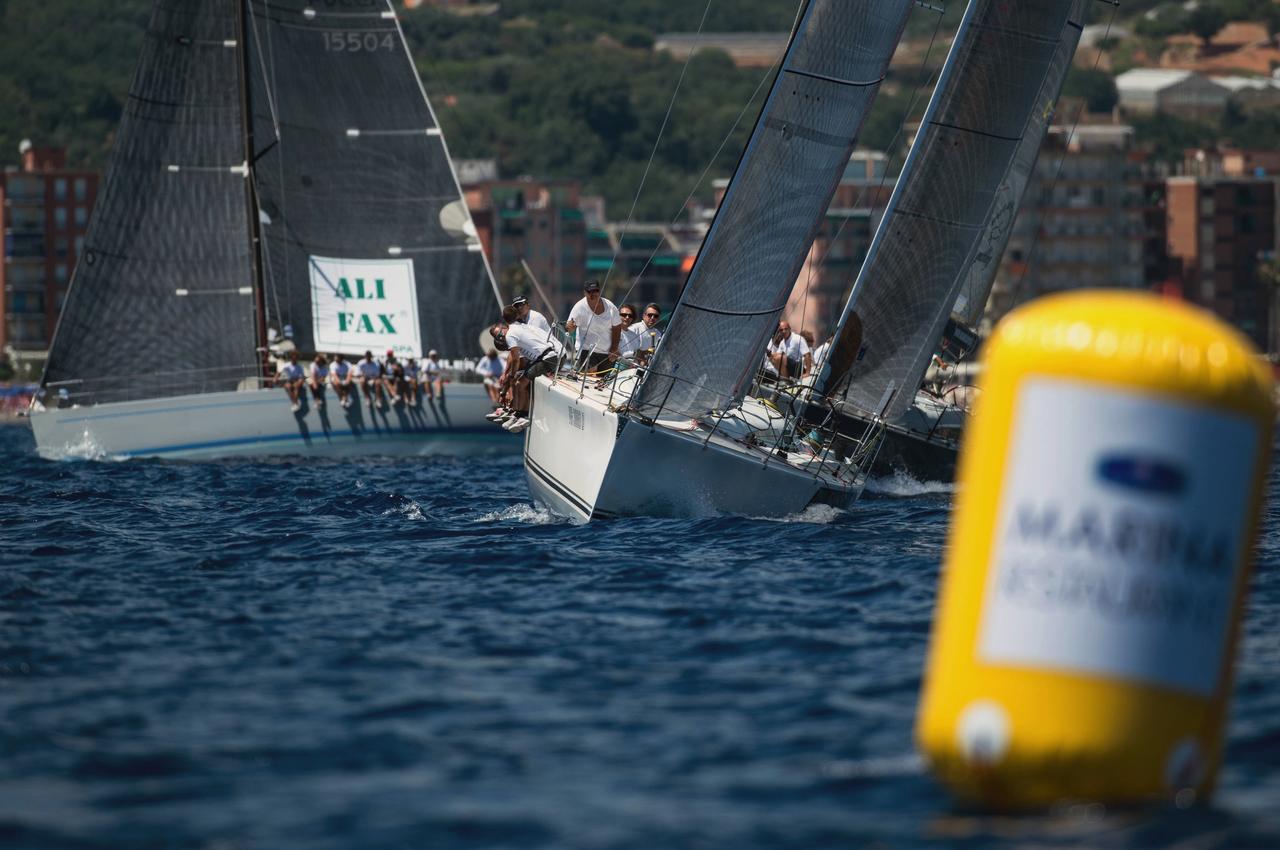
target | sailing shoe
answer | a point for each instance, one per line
(498, 415)
(297, 406)
(320, 403)
(516, 425)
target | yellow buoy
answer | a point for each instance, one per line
(1110, 484)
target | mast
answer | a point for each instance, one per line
(977, 118)
(251, 195)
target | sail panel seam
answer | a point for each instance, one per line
(837, 80)
(975, 132)
(748, 313)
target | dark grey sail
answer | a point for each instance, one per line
(788, 173)
(987, 92)
(972, 301)
(369, 244)
(162, 299)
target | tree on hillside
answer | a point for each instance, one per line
(1206, 21)
(1095, 86)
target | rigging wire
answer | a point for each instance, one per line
(768, 75)
(1018, 288)
(622, 235)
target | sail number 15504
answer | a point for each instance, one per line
(358, 42)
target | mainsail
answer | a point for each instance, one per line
(369, 243)
(972, 301)
(980, 113)
(788, 173)
(165, 281)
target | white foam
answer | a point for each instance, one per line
(902, 484)
(813, 515)
(86, 448)
(409, 510)
(525, 513)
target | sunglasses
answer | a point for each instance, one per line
(628, 315)
(651, 315)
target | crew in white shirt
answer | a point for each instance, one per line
(411, 382)
(432, 379)
(647, 330)
(529, 316)
(820, 355)
(535, 355)
(317, 377)
(789, 353)
(292, 377)
(370, 372)
(490, 368)
(629, 341)
(599, 327)
(340, 376)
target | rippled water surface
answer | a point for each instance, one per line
(391, 654)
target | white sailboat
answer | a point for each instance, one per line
(278, 165)
(685, 437)
(946, 225)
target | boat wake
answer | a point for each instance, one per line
(523, 513)
(813, 515)
(902, 485)
(87, 448)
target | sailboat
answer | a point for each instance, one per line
(278, 168)
(685, 437)
(947, 223)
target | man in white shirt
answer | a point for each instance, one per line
(537, 355)
(292, 377)
(370, 372)
(789, 353)
(340, 375)
(599, 327)
(629, 341)
(647, 329)
(529, 316)
(432, 379)
(820, 355)
(411, 381)
(317, 377)
(490, 368)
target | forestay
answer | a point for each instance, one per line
(161, 302)
(788, 173)
(978, 116)
(369, 242)
(981, 275)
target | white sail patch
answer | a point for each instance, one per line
(360, 305)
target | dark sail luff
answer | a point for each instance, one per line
(356, 187)
(981, 276)
(751, 257)
(971, 131)
(161, 301)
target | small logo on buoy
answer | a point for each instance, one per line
(1145, 474)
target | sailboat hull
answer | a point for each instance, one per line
(260, 422)
(585, 462)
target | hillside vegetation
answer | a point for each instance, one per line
(552, 88)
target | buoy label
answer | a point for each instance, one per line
(1120, 536)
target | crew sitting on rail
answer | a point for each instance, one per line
(526, 315)
(599, 327)
(291, 377)
(629, 341)
(789, 353)
(536, 354)
(371, 380)
(432, 376)
(341, 376)
(647, 328)
(393, 377)
(317, 377)
(820, 354)
(411, 382)
(490, 368)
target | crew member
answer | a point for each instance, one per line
(599, 327)
(340, 376)
(371, 380)
(529, 316)
(789, 353)
(432, 376)
(411, 382)
(291, 377)
(317, 377)
(536, 354)
(490, 368)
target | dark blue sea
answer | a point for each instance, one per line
(408, 654)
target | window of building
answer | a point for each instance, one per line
(60, 272)
(79, 243)
(82, 216)
(60, 189)
(82, 189)
(60, 218)
(61, 245)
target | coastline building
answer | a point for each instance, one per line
(1186, 94)
(1220, 230)
(541, 222)
(44, 213)
(746, 49)
(652, 262)
(1092, 217)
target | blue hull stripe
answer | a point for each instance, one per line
(323, 437)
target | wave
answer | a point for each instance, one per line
(902, 485)
(523, 513)
(87, 448)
